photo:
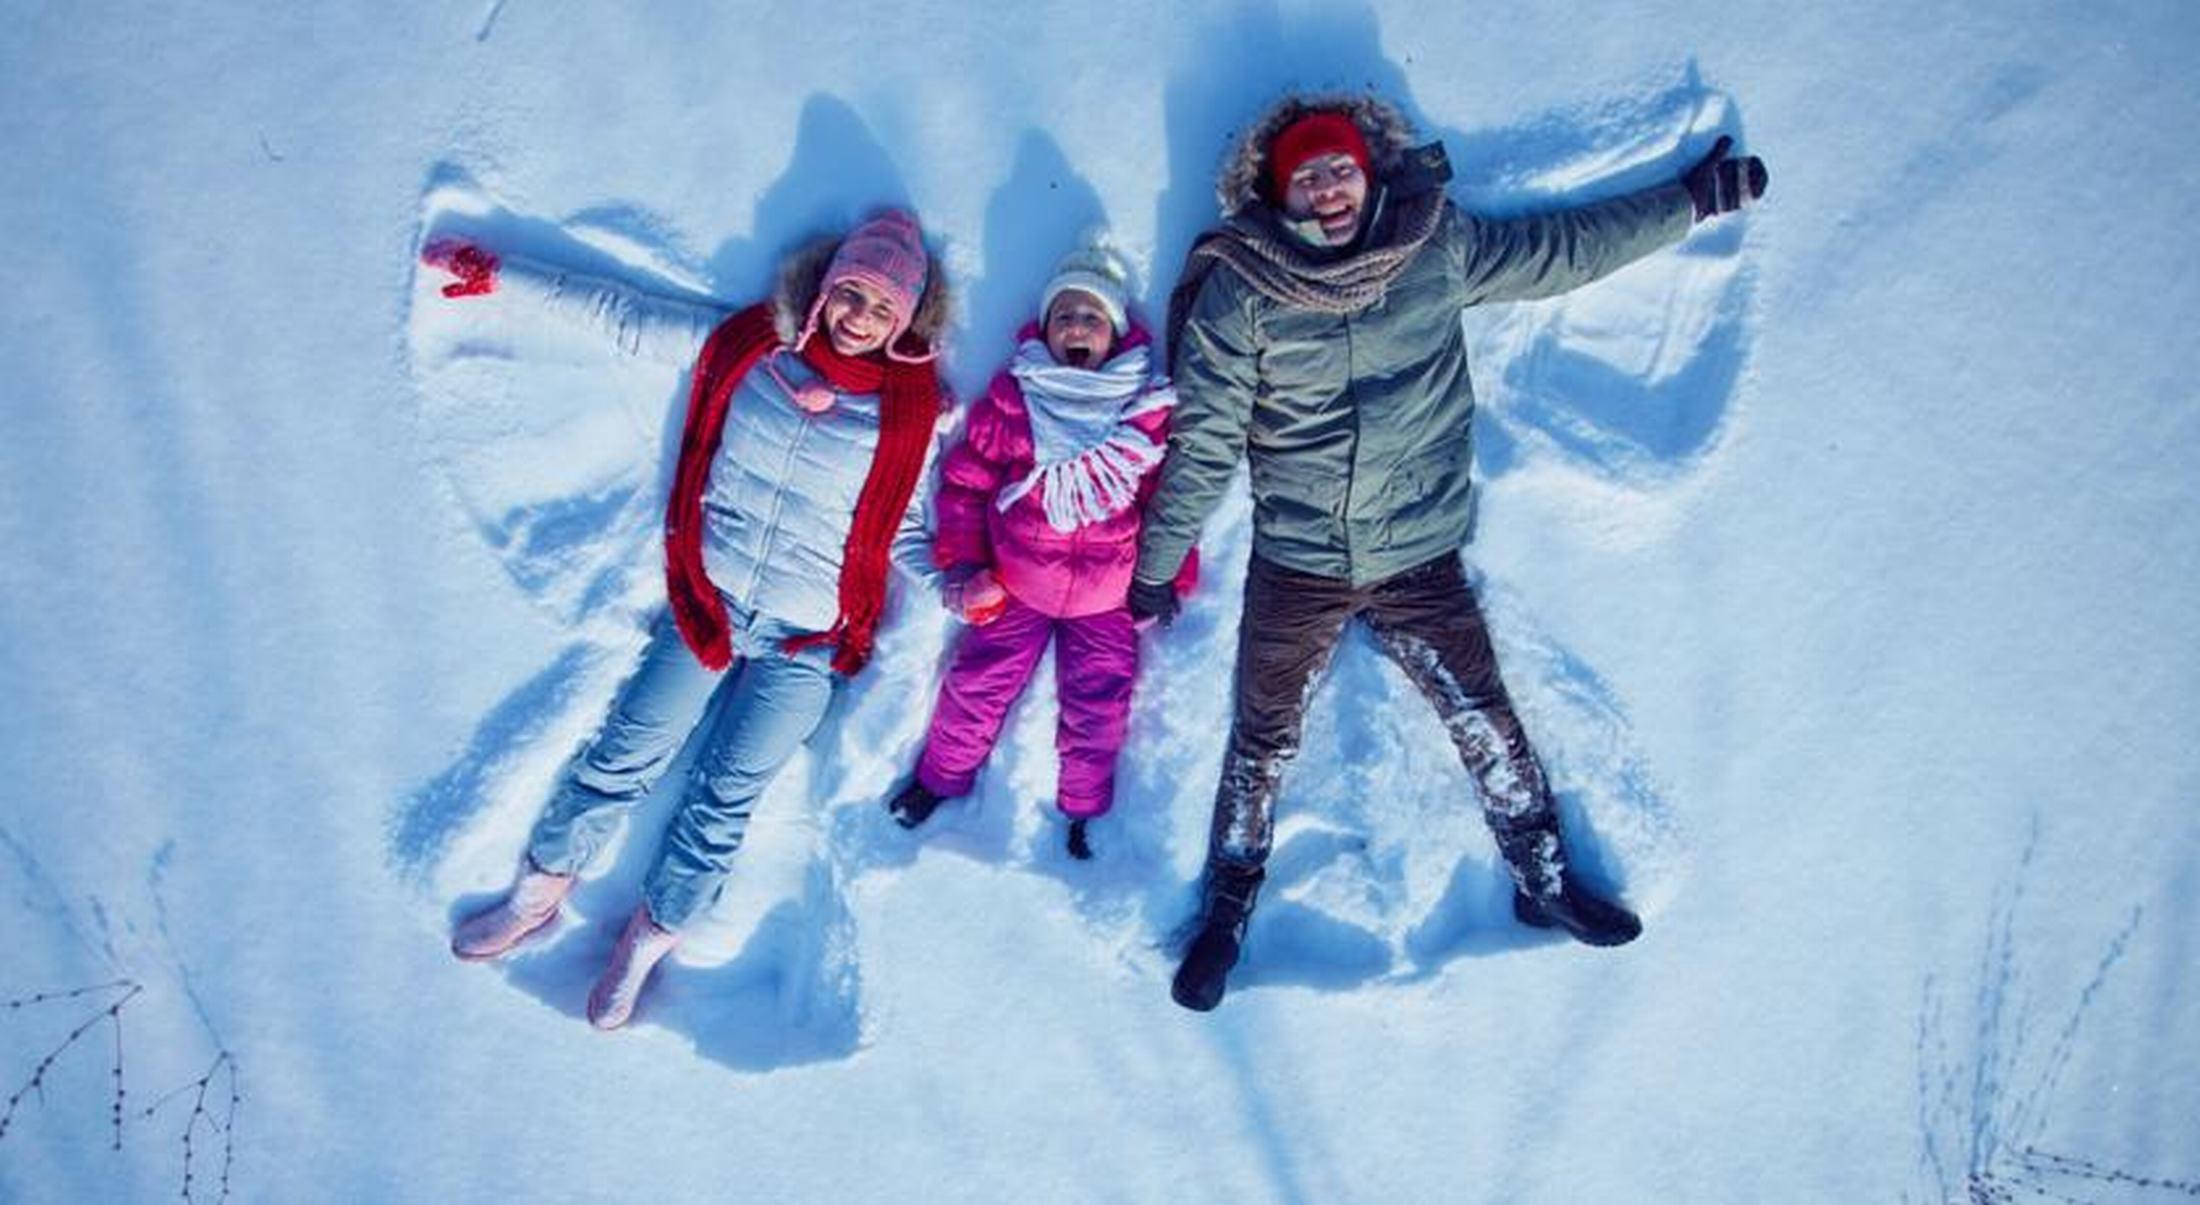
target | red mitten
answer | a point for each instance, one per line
(981, 614)
(474, 266)
(1187, 578)
(978, 598)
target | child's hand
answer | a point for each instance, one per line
(474, 266)
(977, 597)
(983, 600)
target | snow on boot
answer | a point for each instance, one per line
(641, 947)
(531, 905)
(913, 806)
(1579, 911)
(1200, 981)
(1078, 847)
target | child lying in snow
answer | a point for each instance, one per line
(1038, 517)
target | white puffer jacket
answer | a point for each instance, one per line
(783, 488)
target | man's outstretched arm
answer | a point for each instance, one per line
(1519, 259)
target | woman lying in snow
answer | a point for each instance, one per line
(810, 423)
(1038, 530)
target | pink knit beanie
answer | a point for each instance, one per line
(887, 253)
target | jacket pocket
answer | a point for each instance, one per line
(1426, 491)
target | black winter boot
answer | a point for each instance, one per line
(914, 805)
(1079, 848)
(1579, 911)
(1230, 892)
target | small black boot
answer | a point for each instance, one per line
(1079, 848)
(913, 806)
(1579, 911)
(1230, 892)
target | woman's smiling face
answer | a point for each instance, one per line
(858, 317)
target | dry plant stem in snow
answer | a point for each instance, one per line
(111, 1013)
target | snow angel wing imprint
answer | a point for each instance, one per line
(544, 385)
(1634, 384)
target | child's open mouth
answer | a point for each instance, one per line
(1078, 357)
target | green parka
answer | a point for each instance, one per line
(1359, 427)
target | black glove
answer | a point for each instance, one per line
(1153, 602)
(1719, 185)
(914, 805)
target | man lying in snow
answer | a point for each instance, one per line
(1317, 332)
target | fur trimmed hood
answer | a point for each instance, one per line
(802, 273)
(1241, 183)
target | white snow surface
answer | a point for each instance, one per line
(1841, 560)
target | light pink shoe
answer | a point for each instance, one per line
(531, 905)
(641, 947)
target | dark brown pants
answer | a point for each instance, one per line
(1427, 620)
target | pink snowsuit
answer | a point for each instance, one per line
(1071, 586)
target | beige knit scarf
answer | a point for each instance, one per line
(1287, 271)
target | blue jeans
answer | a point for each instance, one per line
(773, 702)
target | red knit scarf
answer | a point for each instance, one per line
(909, 405)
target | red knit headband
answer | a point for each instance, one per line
(1320, 133)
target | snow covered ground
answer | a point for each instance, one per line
(1841, 559)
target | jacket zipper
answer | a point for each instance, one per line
(1351, 456)
(779, 502)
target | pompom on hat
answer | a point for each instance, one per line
(1094, 268)
(887, 253)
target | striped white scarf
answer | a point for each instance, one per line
(1089, 458)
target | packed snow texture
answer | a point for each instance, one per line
(1838, 558)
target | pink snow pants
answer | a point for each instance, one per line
(1095, 663)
